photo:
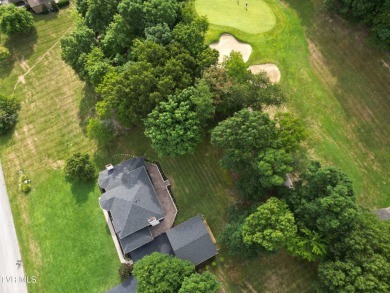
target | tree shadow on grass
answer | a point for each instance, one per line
(87, 106)
(21, 47)
(81, 189)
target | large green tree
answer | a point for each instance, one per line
(242, 137)
(9, 107)
(14, 20)
(75, 48)
(161, 273)
(324, 202)
(200, 283)
(100, 13)
(271, 226)
(360, 261)
(175, 126)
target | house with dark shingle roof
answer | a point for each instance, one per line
(131, 202)
(133, 208)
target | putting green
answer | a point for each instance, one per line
(257, 19)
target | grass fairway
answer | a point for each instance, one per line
(61, 229)
(258, 18)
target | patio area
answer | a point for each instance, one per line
(165, 199)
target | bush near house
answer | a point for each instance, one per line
(63, 3)
(80, 167)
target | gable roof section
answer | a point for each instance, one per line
(109, 179)
(191, 240)
(136, 240)
(131, 198)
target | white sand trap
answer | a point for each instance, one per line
(272, 71)
(227, 43)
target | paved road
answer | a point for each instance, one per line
(12, 277)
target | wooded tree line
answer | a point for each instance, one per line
(374, 13)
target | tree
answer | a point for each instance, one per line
(174, 126)
(235, 67)
(359, 261)
(160, 11)
(79, 167)
(271, 167)
(4, 53)
(14, 20)
(159, 33)
(76, 47)
(99, 14)
(272, 225)
(8, 113)
(200, 283)
(161, 273)
(129, 96)
(307, 244)
(242, 137)
(97, 66)
(324, 202)
(291, 131)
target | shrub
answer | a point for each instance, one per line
(63, 3)
(4, 53)
(8, 113)
(54, 6)
(80, 167)
(24, 183)
(44, 10)
(125, 271)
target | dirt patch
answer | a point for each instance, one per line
(23, 64)
(228, 43)
(21, 79)
(273, 284)
(270, 69)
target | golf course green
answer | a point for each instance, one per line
(250, 16)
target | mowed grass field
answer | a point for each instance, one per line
(255, 19)
(340, 86)
(62, 233)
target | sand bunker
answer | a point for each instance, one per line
(228, 43)
(272, 71)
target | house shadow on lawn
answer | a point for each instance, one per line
(81, 189)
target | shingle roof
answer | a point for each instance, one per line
(191, 240)
(159, 244)
(128, 286)
(130, 197)
(136, 240)
(383, 214)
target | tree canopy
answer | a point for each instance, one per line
(175, 126)
(14, 20)
(200, 283)
(9, 107)
(360, 261)
(324, 201)
(161, 273)
(272, 225)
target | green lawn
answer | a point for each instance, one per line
(258, 18)
(61, 229)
